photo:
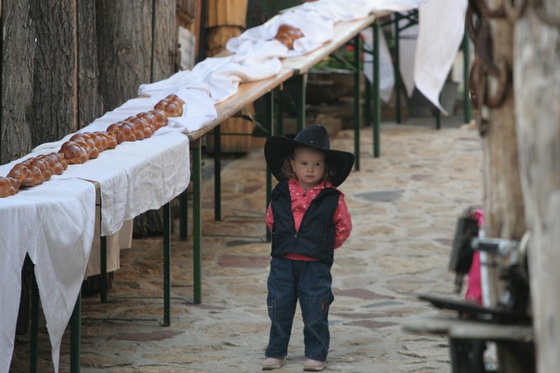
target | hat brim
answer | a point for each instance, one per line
(278, 148)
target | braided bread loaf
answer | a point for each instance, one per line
(172, 106)
(8, 186)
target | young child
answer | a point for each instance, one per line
(308, 218)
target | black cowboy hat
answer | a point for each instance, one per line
(278, 148)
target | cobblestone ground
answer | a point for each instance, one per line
(404, 207)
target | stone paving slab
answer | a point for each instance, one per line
(404, 207)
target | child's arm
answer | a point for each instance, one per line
(342, 222)
(269, 218)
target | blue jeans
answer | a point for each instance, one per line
(310, 282)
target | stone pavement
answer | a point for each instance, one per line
(404, 207)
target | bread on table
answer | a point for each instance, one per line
(87, 145)
(42, 166)
(87, 141)
(172, 106)
(150, 121)
(122, 131)
(8, 186)
(27, 174)
(287, 35)
(75, 152)
(142, 130)
(111, 140)
(160, 119)
(55, 162)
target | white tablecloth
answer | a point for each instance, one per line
(53, 223)
(137, 176)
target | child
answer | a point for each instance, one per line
(308, 218)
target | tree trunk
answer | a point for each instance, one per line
(54, 110)
(137, 43)
(124, 46)
(165, 52)
(90, 102)
(18, 53)
(537, 79)
(49, 72)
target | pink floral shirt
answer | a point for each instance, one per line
(301, 199)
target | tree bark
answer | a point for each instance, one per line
(537, 79)
(165, 51)
(124, 46)
(18, 53)
(89, 100)
(54, 110)
(49, 72)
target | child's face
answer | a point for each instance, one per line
(309, 166)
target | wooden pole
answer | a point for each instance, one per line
(537, 84)
(503, 202)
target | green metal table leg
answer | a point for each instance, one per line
(376, 91)
(217, 173)
(103, 267)
(197, 230)
(367, 103)
(302, 79)
(34, 326)
(397, 70)
(466, 97)
(357, 101)
(183, 216)
(166, 265)
(76, 335)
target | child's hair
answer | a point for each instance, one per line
(288, 171)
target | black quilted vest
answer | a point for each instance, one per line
(315, 237)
